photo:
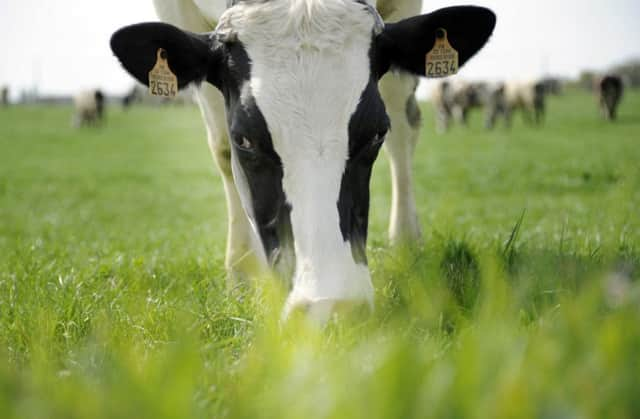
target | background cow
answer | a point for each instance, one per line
(609, 89)
(504, 99)
(454, 99)
(303, 83)
(89, 108)
(527, 97)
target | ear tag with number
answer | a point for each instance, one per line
(162, 81)
(442, 60)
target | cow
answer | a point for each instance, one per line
(476, 98)
(609, 89)
(88, 108)
(291, 92)
(4, 96)
(453, 100)
(504, 99)
(441, 99)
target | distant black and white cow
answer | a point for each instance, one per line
(89, 107)
(505, 99)
(454, 99)
(302, 85)
(609, 89)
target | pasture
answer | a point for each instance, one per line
(523, 301)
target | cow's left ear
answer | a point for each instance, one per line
(191, 57)
(405, 44)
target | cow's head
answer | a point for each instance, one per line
(305, 118)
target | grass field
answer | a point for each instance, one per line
(523, 302)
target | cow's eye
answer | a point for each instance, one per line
(243, 143)
(378, 139)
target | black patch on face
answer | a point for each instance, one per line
(367, 128)
(252, 147)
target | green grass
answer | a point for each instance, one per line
(524, 300)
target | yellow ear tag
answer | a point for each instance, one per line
(162, 82)
(442, 60)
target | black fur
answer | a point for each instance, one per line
(610, 90)
(367, 128)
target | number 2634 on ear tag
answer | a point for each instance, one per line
(442, 60)
(162, 81)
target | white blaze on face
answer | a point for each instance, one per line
(309, 67)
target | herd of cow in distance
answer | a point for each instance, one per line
(453, 100)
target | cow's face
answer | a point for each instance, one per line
(305, 118)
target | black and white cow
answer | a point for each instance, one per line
(455, 99)
(504, 99)
(302, 85)
(609, 89)
(89, 108)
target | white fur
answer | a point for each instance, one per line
(244, 256)
(399, 145)
(520, 94)
(310, 66)
(86, 108)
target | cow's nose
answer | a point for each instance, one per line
(322, 311)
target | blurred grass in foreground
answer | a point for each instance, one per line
(523, 302)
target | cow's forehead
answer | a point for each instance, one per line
(309, 65)
(315, 23)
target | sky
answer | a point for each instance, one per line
(62, 46)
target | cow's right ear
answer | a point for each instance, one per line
(191, 57)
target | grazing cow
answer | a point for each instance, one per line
(300, 81)
(441, 99)
(89, 108)
(4, 96)
(505, 99)
(476, 98)
(609, 89)
(528, 97)
(453, 100)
